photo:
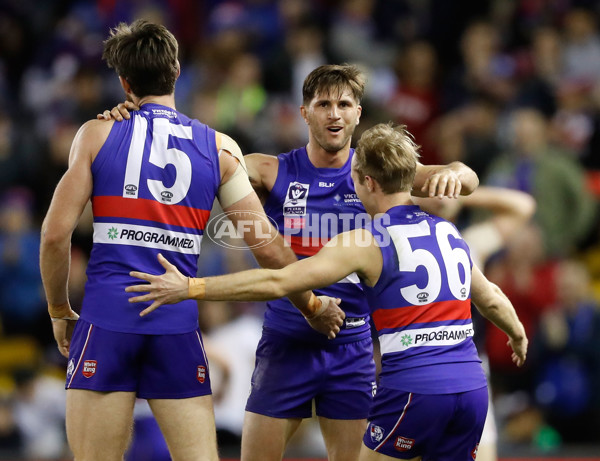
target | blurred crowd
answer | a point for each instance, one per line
(511, 88)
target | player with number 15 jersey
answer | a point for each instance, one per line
(152, 182)
(155, 180)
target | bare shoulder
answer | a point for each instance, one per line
(91, 137)
(262, 170)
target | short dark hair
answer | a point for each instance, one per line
(388, 154)
(144, 54)
(331, 78)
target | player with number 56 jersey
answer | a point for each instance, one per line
(417, 273)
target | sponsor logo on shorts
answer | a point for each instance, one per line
(377, 433)
(70, 368)
(373, 388)
(474, 452)
(404, 443)
(201, 374)
(89, 368)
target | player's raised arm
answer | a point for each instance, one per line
(493, 304)
(450, 180)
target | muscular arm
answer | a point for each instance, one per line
(267, 244)
(510, 208)
(340, 257)
(70, 197)
(493, 304)
(354, 251)
(262, 172)
(450, 180)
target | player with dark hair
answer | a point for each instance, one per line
(152, 181)
(309, 194)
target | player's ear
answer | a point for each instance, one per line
(303, 113)
(125, 84)
(359, 114)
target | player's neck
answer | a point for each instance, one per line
(384, 202)
(320, 158)
(167, 100)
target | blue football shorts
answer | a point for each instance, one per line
(440, 427)
(289, 374)
(172, 366)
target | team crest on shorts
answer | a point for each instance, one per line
(474, 452)
(376, 433)
(201, 374)
(404, 443)
(89, 368)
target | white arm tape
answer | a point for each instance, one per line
(236, 188)
(224, 142)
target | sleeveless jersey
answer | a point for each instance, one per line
(154, 183)
(421, 305)
(310, 206)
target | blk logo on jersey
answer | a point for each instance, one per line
(404, 444)
(89, 368)
(295, 199)
(376, 433)
(201, 374)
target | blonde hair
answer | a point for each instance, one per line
(388, 154)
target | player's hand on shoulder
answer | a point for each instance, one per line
(168, 288)
(443, 183)
(119, 112)
(330, 317)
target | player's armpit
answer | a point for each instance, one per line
(262, 172)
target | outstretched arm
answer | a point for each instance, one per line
(450, 180)
(493, 304)
(354, 251)
(242, 206)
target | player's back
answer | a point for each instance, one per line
(421, 305)
(154, 183)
